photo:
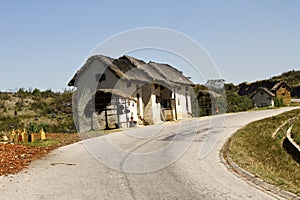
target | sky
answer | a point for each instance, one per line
(43, 43)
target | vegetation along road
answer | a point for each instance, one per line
(75, 172)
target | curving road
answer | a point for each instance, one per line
(71, 172)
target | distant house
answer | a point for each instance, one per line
(282, 91)
(262, 97)
(130, 91)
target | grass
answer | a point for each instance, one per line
(295, 104)
(296, 131)
(254, 149)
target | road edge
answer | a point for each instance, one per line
(250, 178)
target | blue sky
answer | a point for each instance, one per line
(43, 43)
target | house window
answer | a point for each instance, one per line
(166, 103)
(128, 84)
(158, 99)
(100, 77)
(283, 94)
(262, 94)
(186, 88)
(156, 86)
(179, 87)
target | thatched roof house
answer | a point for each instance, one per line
(151, 92)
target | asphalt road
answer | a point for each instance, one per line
(295, 100)
(141, 163)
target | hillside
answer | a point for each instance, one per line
(291, 77)
(36, 109)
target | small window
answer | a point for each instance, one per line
(100, 77)
(156, 86)
(158, 99)
(186, 88)
(283, 94)
(128, 84)
(179, 87)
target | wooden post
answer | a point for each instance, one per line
(32, 137)
(175, 103)
(12, 136)
(24, 138)
(43, 134)
(106, 120)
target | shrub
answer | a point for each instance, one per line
(237, 103)
(278, 102)
(35, 127)
(4, 96)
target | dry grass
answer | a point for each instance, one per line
(296, 131)
(253, 149)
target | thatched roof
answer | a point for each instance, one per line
(122, 69)
(170, 73)
(105, 59)
(132, 69)
(149, 70)
(277, 85)
(266, 90)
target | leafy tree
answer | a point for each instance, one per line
(237, 103)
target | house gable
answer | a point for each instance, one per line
(283, 91)
(263, 97)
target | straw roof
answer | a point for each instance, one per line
(132, 69)
(266, 90)
(149, 70)
(277, 85)
(170, 73)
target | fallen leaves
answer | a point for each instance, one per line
(16, 157)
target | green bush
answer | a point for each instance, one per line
(278, 102)
(35, 127)
(237, 103)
